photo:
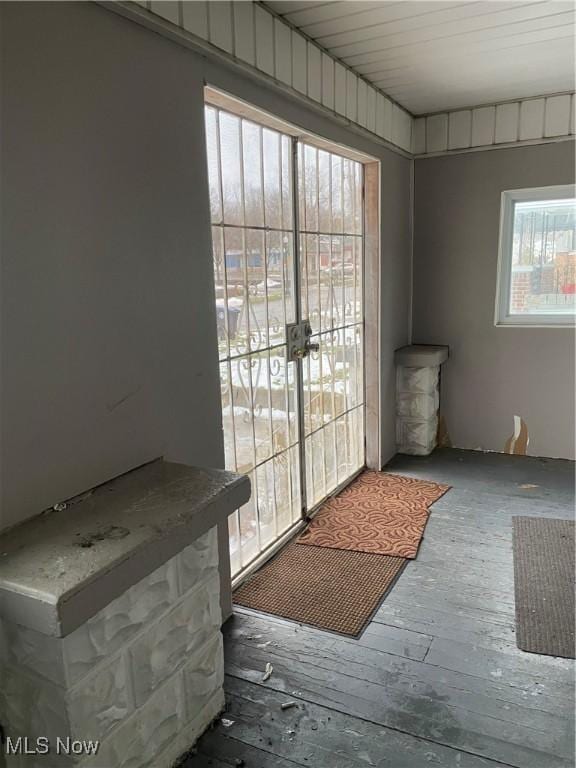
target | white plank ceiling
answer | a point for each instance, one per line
(433, 56)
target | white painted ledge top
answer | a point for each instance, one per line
(60, 568)
(421, 355)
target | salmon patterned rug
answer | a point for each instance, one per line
(378, 512)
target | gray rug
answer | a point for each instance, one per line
(544, 585)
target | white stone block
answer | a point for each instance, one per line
(191, 732)
(198, 561)
(31, 706)
(3, 645)
(418, 379)
(203, 676)
(417, 401)
(100, 702)
(416, 437)
(49, 760)
(167, 644)
(138, 741)
(114, 625)
(417, 405)
(31, 651)
(143, 677)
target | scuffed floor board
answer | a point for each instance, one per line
(437, 678)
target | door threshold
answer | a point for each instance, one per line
(269, 553)
(339, 488)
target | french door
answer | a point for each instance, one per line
(287, 229)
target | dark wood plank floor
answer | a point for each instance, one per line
(436, 679)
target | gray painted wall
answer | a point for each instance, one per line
(493, 373)
(108, 357)
(108, 324)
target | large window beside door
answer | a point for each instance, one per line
(287, 225)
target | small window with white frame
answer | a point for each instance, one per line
(537, 257)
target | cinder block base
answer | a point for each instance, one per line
(141, 679)
(417, 401)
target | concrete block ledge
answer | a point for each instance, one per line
(59, 569)
(421, 355)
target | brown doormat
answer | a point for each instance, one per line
(378, 512)
(544, 585)
(333, 589)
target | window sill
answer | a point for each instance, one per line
(537, 322)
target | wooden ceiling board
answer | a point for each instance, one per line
(432, 55)
(429, 22)
(435, 53)
(453, 31)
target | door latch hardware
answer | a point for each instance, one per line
(299, 345)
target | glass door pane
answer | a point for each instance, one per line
(250, 176)
(331, 270)
(296, 428)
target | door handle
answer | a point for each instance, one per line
(299, 345)
(301, 352)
